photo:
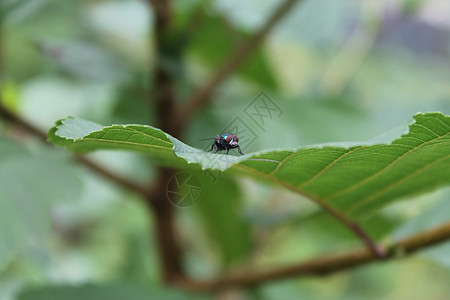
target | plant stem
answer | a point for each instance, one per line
(163, 98)
(323, 265)
(121, 181)
(354, 227)
(378, 251)
(235, 59)
(163, 94)
(165, 231)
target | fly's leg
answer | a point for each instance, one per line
(212, 146)
(240, 151)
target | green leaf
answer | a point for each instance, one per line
(223, 218)
(206, 46)
(355, 179)
(29, 184)
(109, 292)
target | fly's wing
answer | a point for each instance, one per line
(207, 139)
(223, 144)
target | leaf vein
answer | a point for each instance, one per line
(432, 131)
(125, 142)
(445, 124)
(387, 188)
(282, 162)
(149, 135)
(356, 185)
(320, 173)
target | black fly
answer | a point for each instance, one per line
(225, 141)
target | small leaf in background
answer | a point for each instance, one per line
(219, 208)
(205, 39)
(30, 183)
(83, 60)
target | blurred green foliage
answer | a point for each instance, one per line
(339, 70)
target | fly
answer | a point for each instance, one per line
(225, 141)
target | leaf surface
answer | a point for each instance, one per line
(355, 179)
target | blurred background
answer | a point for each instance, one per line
(338, 70)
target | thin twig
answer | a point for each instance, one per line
(236, 58)
(13, 118)
(353, 52)
(128, 184)
(324, 265)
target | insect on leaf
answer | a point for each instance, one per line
(355, 179)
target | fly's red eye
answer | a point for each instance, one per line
(232, 137)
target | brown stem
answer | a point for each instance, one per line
(125, 183)
(378, 251)
(163, 94)
(13, 118)
(163, 97)
(236, 58)
(371, 245)
(162, 13)
(121, 181)
(163, 213)
(324, 265)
